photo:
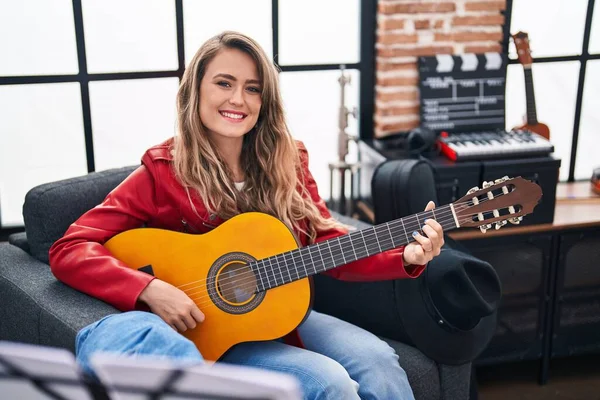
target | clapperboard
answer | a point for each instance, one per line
(463, 93)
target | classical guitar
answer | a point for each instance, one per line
(252, 281)
(524, 54)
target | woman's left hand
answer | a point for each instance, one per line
(426, 247)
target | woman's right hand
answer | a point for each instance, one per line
(172, 305)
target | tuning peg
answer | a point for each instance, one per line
(500, 224)
(511, 209)
(487, 184)
(503, 179)
(473, 190)
(515, 220)
(485, 227)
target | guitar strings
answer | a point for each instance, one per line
(203, 301)
(284, 267)
(246, 277)
(459, 209)
(281, 267)
(368, 237)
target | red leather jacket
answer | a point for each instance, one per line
(153, 196)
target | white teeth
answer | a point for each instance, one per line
(230, 115)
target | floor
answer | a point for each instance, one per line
(575, 378)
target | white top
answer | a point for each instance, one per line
(239, 185)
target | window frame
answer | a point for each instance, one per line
(366, 68)
(583, 58)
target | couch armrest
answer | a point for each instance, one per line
(19, 240)
(38, 309)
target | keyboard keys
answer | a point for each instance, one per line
(501, 144)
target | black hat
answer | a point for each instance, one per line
(449, 312)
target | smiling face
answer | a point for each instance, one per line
(230, 95)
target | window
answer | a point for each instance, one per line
(29, 154)
(316, 122)
(132, 35)
(129, 116)
(37, 38)
(555, 85)
(203, 19)
(565, 44)
(329, 36)
(589, 130)
(89, 85)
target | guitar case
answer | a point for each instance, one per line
(402, 187)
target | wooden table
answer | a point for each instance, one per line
(577, 206)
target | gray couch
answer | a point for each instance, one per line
(36, 308)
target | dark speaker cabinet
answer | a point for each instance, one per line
(453, 180)
(543, 171)
(577, 299)
(522, 264)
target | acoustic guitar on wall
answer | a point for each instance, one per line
(521, 40)
(251, 279)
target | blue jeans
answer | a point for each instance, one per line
(340, 360)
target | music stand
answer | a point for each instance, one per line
(30, 372)
(162, 377)
(36, 372)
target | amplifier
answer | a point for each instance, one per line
(454, 179)
(577, 300)
(525, 279)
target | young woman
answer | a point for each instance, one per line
(233, 153)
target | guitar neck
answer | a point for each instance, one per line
(530, 96)
(319, 257)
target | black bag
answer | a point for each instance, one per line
(404, 187)
(400, 188)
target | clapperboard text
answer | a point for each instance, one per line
(463, 93)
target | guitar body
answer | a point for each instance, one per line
(212, 270)
(539, 128)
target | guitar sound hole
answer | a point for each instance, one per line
(236, 283)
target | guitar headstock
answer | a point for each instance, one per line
(523, 51)
(498, 202)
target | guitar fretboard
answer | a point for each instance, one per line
(319, 257)
(530, 96)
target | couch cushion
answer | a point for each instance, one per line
(20, 240)
(422, 372)
(50, 208)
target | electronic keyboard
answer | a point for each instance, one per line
(493, 145)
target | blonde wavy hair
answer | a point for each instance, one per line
(270, 157)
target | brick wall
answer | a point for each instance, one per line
(407, 29)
